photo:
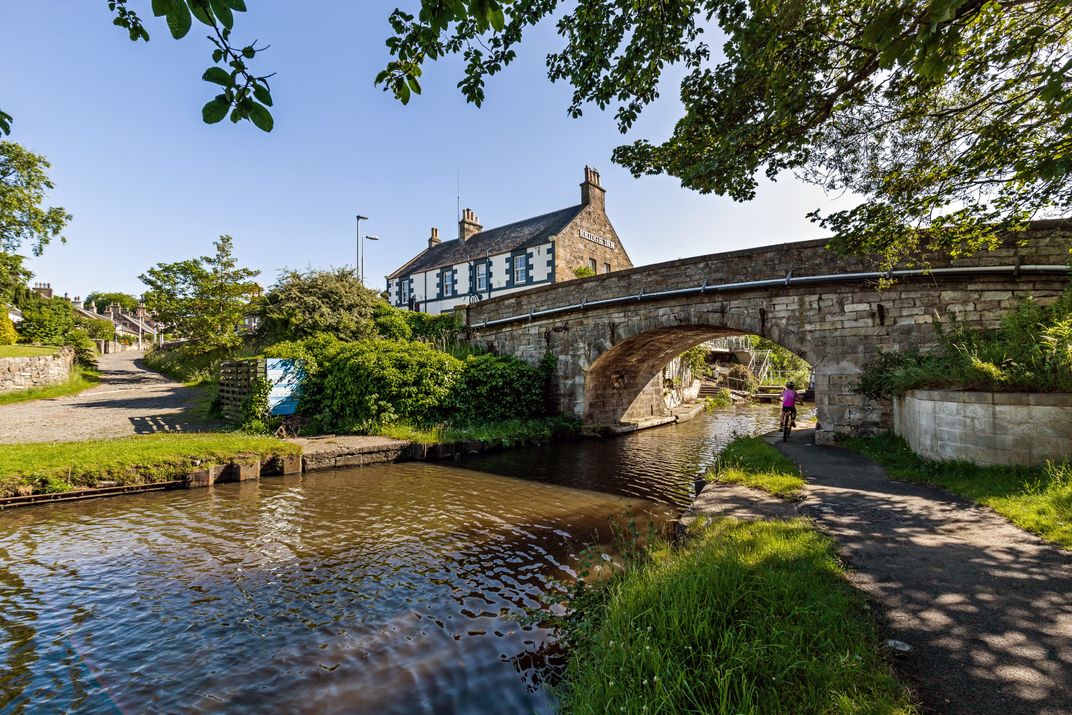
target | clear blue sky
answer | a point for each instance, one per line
(148, 182)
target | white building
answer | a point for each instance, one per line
(482, 263)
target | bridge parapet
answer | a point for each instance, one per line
(614, 333)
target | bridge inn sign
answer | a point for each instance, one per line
(482, 264)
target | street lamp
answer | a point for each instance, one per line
(367, 238)
(357, 258)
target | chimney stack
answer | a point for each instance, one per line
(43, 289)
(434, 238)
(77, 301)
(469, 226)
(592, 192)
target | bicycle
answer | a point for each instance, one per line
(787, 424)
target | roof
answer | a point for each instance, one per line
(492, 242)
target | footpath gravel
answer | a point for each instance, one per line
(129, 400)
(984, 605)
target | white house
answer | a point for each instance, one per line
(481, 263)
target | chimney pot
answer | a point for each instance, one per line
(592, 192)
(434, 238)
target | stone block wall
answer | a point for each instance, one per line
(986, 427)
(608, 355)
(24, 373)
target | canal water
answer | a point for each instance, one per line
(394, 589)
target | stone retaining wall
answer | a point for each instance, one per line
(23, 373)
(986, 427)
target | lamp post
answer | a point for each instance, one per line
(367, 238)
(357, 258)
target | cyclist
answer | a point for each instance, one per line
(789, 403)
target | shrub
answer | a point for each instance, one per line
(376, 382)
(46, 322)
(97, 328)
(492, 388)
(8, 336)
(584, 272)
(1030, 351)
(442, 329)
(302, 304)
(391, 322)
(741, 378)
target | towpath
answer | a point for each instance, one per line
(984, 605)
(129, 400)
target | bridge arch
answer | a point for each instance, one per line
(610, 332)
(623, 382)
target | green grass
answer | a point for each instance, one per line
(754, 463)
(61, 466)
(7, 351)
(746, 617)
(509, 433)
(1038, 499)
(81, 379)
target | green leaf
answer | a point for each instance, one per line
(218, 75)
(161, 7)
(202, 12)
(178, 19)
(223, 12)
(263, 95)
(261, 117)
(237, 5)
(214, 111)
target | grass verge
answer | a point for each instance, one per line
(1038, 499)
(9, 351)
(62, 466)
(754, 463)
(746, 617)
(81, 378)
(509, 433)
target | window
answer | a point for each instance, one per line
(592, 264)
(520, 270)
(481, 277)
(447, 281)
(403, 291)
(606, 268)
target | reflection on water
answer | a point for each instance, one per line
(394, 589)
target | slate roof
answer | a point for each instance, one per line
(522, 234)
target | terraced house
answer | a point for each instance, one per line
(483, 263)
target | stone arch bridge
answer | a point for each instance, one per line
(614, 333)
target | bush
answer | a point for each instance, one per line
(97, 329)
(187, 362)
(376, 382)
(442, 329)
(741, 378)
(391, 322)
(46, 322)
(492, 388)
(1030, 351)
(8, 336)
(302, 304)
(85, 350)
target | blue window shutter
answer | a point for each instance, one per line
(528, 267)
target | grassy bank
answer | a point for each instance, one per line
(754, 463)
(745, 618)
(1037, 499)
(508, 433)
(62, 466)
(9, 351)
(81, 379)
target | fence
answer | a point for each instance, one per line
(238, 378)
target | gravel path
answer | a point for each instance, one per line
(984, 605)
(129, 400)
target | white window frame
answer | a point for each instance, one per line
(481, 277)
(521, 267)
(403, 292)
(449, 286)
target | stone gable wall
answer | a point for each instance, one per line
(571, 250)
(23, 373)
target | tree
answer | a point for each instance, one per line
(47, 322)
(205, 300)
(13, 276)
(8, 336)
(23, 220)
(242, 93)
(953, 118)
(302, 304)
(102, 299)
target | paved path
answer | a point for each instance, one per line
(129, 400)
(986, 607)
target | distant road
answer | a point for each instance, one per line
(129, 400)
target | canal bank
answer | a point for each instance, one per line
(389, 588)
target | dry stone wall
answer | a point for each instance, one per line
(609, 356)
(24, 373)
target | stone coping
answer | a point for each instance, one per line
(980, 397)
